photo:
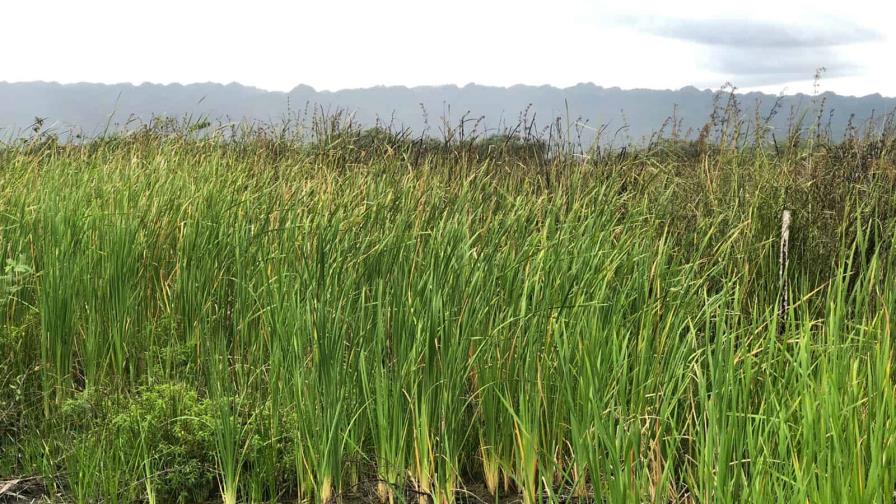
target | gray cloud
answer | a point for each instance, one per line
(759, 66)
(789, 63)
(755, 53)
(748, 33)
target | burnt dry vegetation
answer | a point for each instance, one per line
(191, 314)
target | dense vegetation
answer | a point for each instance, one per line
(193, 318)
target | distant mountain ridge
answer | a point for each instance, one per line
(630, 115)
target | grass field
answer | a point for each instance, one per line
(361, 316)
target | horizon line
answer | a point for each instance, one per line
(429, 86)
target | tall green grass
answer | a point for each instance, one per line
(368, 321)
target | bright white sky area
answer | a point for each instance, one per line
(767, 45)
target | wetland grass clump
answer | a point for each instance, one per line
(264, 319)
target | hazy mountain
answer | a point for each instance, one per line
(91, 108)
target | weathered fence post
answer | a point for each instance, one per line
(783, 260)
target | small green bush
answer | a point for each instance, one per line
(165, 428)
(170, 425)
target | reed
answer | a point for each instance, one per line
(360, 313)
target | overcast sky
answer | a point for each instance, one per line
(769, 45)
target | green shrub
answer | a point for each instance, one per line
(161, 433)
(169, 426)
